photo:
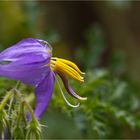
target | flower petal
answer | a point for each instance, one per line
(43, 93)
(27, 62)
(30, 74)
(24, 47)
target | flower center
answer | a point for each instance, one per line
(66, 67)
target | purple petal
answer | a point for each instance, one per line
(28, 62)
(29, 74)
(43, 93)
(69, 89)
(24, 47)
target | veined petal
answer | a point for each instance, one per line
(30, 74)
(43, 93)
(27, 62)
(31, 59)
(25, 47)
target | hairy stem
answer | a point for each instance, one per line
(6, 98)
(29, 109)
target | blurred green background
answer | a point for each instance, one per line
(103, 39)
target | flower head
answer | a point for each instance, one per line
(31, 62)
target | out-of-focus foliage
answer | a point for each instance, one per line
(113, 103)
(14, 123)
(112, 107)
(90, 56)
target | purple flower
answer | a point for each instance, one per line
(30, 62)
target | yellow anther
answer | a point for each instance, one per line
(68, 71)
(66, 67)
(71, 64)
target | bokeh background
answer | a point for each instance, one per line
(103, 39)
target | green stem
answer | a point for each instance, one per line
(6, 98)
(24, 103)
(29, 109)
(10, 106)
(20, 113)
(17, 85)
(2, 135)
(7, 124)
(8, 95)
(23, 114)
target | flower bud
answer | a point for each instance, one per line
(17, 133)
(33, 130)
